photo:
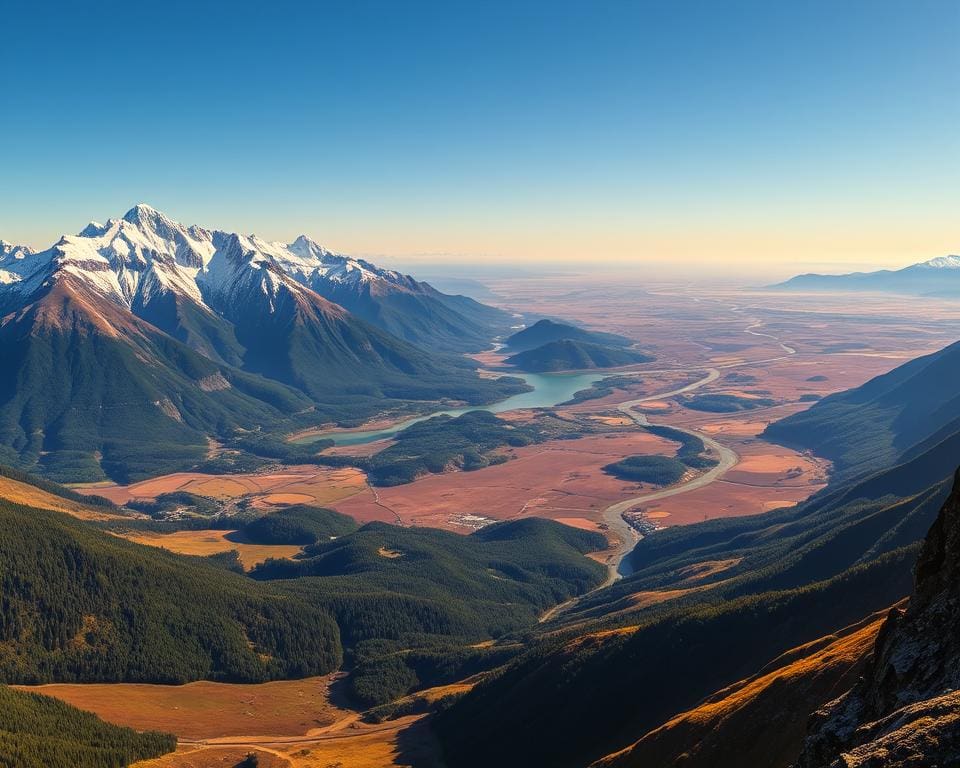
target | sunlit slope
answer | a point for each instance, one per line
(760, 720)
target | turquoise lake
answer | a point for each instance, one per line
(549, 389)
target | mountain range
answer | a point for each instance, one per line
(939, 276)
(144, 326)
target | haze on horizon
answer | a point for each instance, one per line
(745, 137)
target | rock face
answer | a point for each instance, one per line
(905, 710)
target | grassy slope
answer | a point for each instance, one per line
(761, 720)
(605, 687)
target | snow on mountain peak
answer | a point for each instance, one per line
(942, 262)
(141, 213)
(304, 246)
(145, 254)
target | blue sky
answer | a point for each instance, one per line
(770, 135)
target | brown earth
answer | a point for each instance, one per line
(559, 479)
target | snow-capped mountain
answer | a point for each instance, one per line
(939, 276)
(141, 338)
(159, 269)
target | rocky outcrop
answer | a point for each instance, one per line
(905, 710)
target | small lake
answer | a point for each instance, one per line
(549, 389)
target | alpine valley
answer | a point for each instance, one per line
(144, 327)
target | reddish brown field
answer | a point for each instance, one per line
(561, 480)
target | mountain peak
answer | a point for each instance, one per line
(951, 261)
(307, 248)
(142, 213)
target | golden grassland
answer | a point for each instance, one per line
(210, 542)
(285, 723)
(205, 710)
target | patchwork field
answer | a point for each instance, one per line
(293, 485)
(771, 354)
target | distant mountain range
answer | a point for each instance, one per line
(936, 277)
(891, 418)
(143, 326)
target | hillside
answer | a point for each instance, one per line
(82, 605)
(372, 592)
(411, 603)
(406, 308)
(871, 426)
(41, 732)
(545, 331)
(84, 382)
(600, 680)
(939, 276)
(570, 355)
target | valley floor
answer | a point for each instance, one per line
(298, 723)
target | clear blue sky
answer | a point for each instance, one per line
(674, 130)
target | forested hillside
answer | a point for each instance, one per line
(82, 605)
